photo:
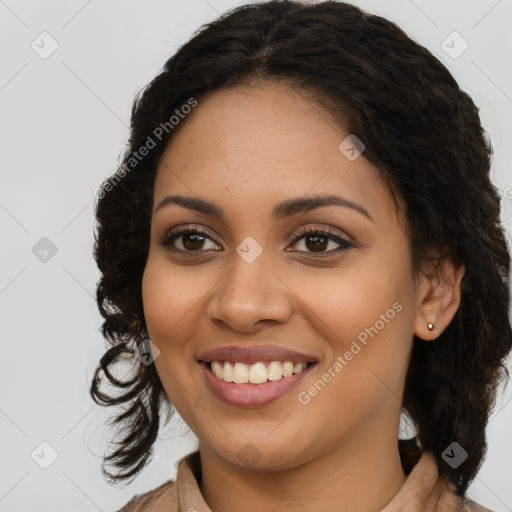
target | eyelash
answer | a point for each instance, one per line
(302, 233)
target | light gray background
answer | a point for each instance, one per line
(63, 127)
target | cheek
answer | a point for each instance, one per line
(364, 315)
(170, 302)
(170, 296)
(346, 301)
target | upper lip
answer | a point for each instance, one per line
(254, 354)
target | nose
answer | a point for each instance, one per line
(248, 295)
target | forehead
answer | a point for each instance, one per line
(264, 144)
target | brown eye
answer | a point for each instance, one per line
(190, 240)
(317, 241)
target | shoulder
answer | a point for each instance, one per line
(164, 497)
(473, 506)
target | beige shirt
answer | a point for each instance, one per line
(423, 491)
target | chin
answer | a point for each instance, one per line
(259, 454)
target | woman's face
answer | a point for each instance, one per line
(344, 301)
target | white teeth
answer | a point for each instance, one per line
(274, 371)
(257, 373)
(217, 369)
(299, 367)
(240, 373)
(228, 372)
(287, 369)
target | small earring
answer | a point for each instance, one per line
(430, 326)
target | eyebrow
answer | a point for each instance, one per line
(281, 210)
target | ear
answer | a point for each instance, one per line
(438, 295)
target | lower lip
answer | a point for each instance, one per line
(252, 395)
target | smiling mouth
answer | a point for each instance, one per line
(257, 373)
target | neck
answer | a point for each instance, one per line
(361, 477)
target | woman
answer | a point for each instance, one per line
(303, 242)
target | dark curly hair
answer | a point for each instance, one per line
(420, 130)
